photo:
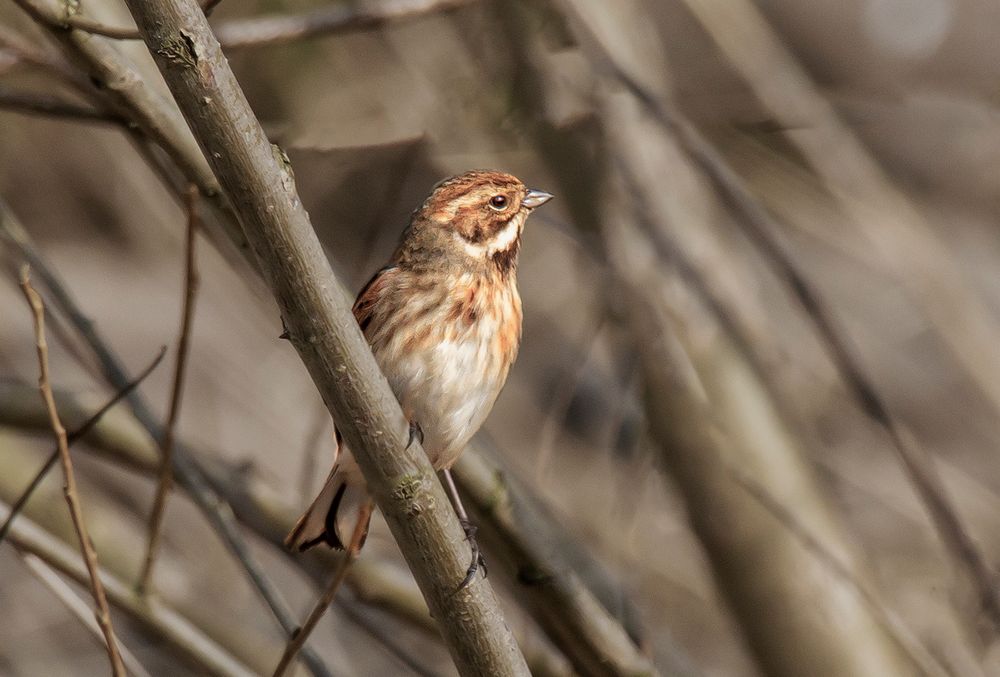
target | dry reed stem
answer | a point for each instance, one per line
(102, 613)
(166, 479)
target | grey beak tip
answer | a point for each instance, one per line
(536, 198)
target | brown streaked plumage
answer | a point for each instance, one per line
(443, 319)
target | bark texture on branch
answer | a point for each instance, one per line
(316, 309)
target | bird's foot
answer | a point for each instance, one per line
(478, 562)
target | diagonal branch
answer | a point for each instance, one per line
(316, 309)
(103, 614)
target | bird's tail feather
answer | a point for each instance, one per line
(331, 517)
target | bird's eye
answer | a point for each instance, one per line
(498, 202)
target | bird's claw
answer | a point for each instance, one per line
(478, 561)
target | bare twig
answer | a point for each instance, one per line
(330, 20)
(30, 53)
(102, 613)
(150, 612)
(124, 90)
(82, 23)
(177, 389)
(85, 428)
(50, 579)
(94, 27)
(326, 599)
(51, 106)
(258, 181)
(278, 29)
(187, 470)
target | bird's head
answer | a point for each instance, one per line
(478, 214)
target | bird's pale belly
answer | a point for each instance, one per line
(448, 387)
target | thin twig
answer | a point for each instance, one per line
(215, 508)
(31, 53)
(299, 636)
(51, 106)
(102, 613)
(339, 18)
(85, 428)
(94, 27)
(191, 281)
(62, 590)
(280, 28)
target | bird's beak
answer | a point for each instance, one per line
(535, 198)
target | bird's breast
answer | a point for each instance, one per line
(448, 357)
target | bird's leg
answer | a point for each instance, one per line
(470, 531)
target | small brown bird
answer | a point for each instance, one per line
(443, 319)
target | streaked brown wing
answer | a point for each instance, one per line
(368, 297)
(364, 309)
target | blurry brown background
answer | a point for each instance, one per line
(371, 119)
